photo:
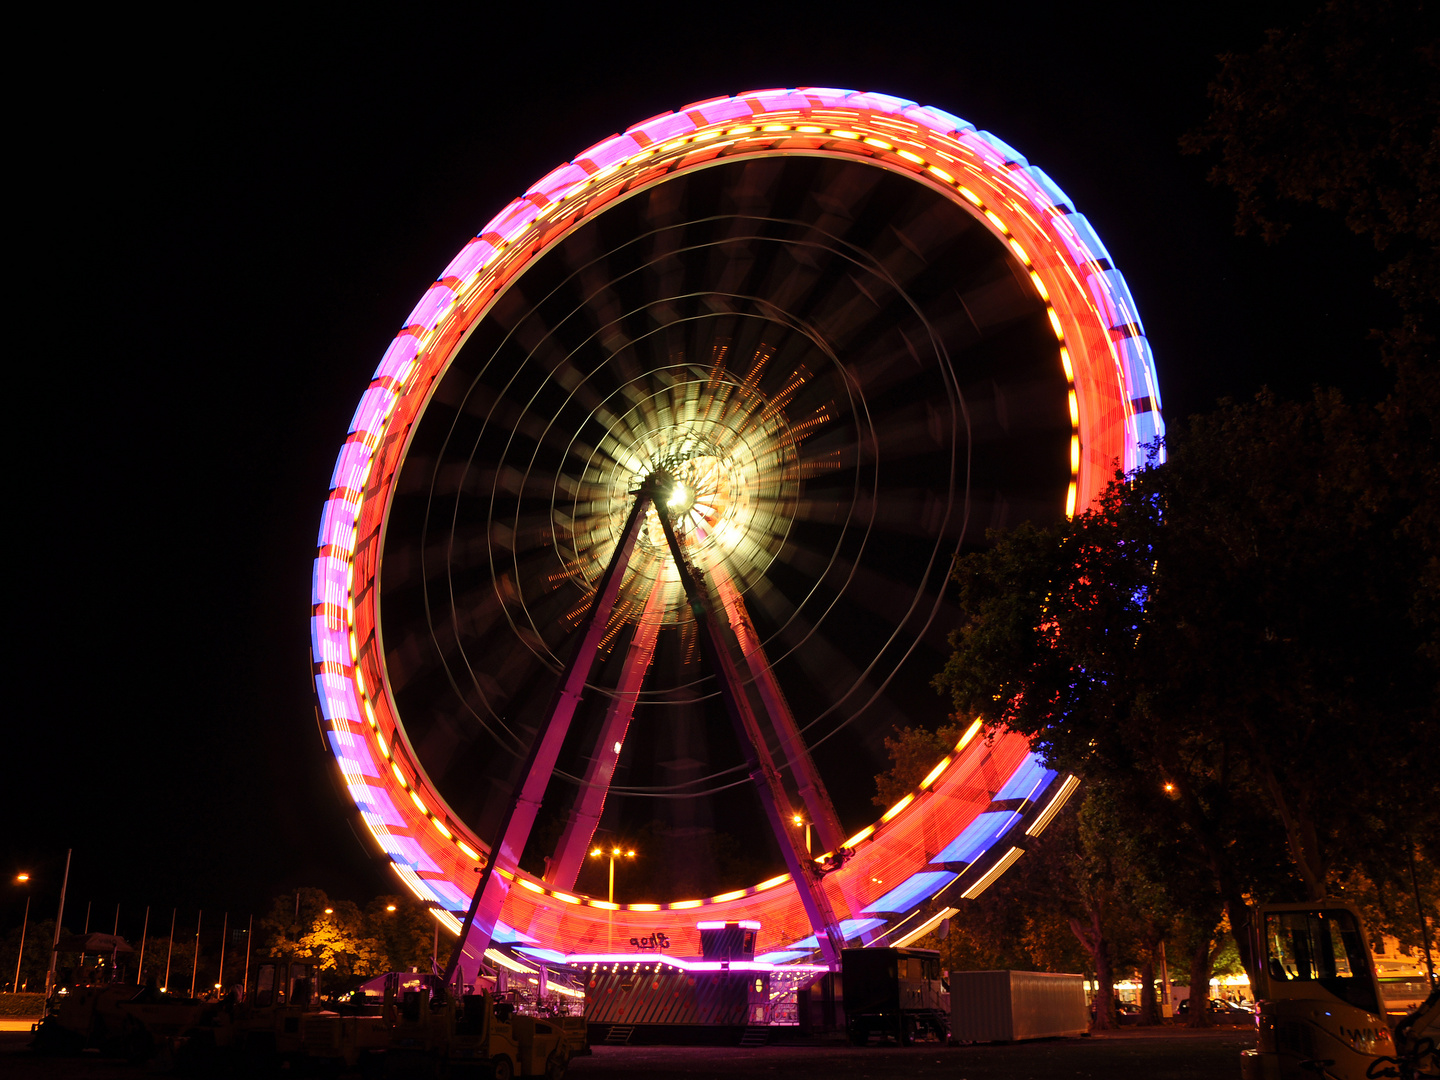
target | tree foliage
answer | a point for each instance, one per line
(1342, 113)
(392, 933)
(913, 752)
(1231, 643)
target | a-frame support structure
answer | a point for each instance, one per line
(749, 722)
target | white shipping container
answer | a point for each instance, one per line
(1005, 1006)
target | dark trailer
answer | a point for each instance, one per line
(895, 992)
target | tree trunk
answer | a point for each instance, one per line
(1093, 938)
(1149, 1006)
(1200, 985)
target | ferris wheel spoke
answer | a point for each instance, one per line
(825, 670)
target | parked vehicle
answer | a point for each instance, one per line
(895, 993)
(117, 1019)
(1320, 1008)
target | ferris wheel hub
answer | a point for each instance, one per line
(681, 498)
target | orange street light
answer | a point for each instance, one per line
(21, 879)
(797, 820)
(613, 854)
(389, 907)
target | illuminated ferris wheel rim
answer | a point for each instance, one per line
(1114, 405)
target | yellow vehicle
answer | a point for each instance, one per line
(477, 1030)
(267, 1028)
(118, 1019)
(1321, 1013)
(416, 1033)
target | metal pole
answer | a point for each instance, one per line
(86, 931)
(249, 937)
(1167, 1006)
(224, 929)
(15, 988)
(59, 919)
(114, 942)
(611, 896)
(195, 967)
(140, 964)
(169, 949)
(1420, 912)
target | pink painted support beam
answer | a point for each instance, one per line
(574, 843)
(821, 810)
(535, 774)
(758, 761)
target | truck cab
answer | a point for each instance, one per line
(1320, 1008)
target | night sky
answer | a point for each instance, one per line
(218, 230)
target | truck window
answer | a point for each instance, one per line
(1323, 947)
(265, 986)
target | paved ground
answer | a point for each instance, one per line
(1131, 1054)
(1170, 1054)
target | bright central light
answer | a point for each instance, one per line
(680, 497)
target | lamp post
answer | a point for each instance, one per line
(21, 879)
(140, 964)
(169, 950)
(613, 854)
(195, 967)
(249, 937)
(797, 820)
(59, 920)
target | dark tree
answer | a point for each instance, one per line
(1344, 114)
(1230, 642)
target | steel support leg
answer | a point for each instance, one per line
(812, 791)
(763, 773)
(580, 827)
(520, 814)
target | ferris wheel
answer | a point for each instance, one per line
(648, 511)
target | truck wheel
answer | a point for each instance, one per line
(504, 1069)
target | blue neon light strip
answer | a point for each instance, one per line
(978, 835)
(914, 889)
(849, 928)
(542, 954)
(1029, 778)
(505, 934)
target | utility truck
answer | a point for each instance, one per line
(447, 1035)
(1321, 1013)
(894, 992)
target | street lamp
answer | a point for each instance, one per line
(21, 879)
(797, 820)
(613, 854)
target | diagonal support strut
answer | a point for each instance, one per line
(519, 819)
(763, 773)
